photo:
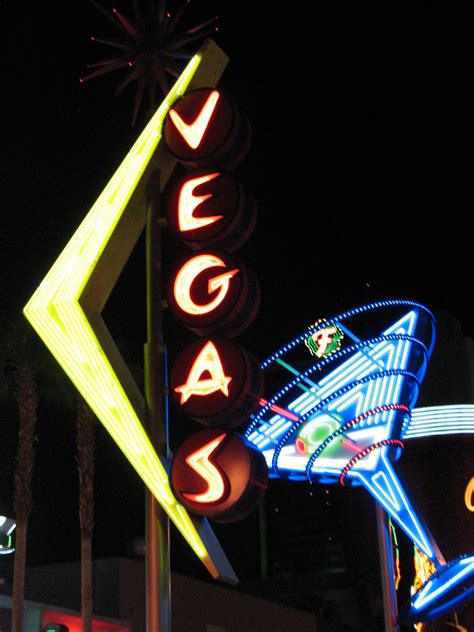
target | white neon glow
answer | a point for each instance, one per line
(2, 520)
(440, 420)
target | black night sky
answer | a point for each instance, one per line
(361, 165)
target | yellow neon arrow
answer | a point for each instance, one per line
(65, 308)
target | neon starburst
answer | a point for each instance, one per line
(149, 48)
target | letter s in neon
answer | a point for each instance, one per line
(200, 463)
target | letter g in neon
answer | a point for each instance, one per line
(188, 274)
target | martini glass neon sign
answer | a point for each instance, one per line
(349, 413)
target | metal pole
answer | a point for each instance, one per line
(262, 524)
(390, 606)
(157, 559)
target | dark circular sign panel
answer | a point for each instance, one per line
(206, 128)
(213, 293)
(217, 474)
(209, 208)
(217, 382)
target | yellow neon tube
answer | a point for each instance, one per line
(56, 313)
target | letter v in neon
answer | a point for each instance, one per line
(193, 133)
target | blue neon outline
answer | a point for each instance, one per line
(333, 396)
(421, 599)
(384, 385)
(324, 362)
(348, 314)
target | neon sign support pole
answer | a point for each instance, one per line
(157, 528)
(389, 597)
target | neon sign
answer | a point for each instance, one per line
(193, 133)
(188, 202)
(345, 414)
(447, 588)
(212, 292)
(325, 341)
(206, 128)
(188, 274)
(207, 362)
(217, 382)
(217, 474)
(209, 208)
(200, 463)
(65, 309)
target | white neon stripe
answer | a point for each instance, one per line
(438, 420)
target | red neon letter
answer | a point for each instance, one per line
(188, 202)
(208, 361)
(199, 462)
(188, 273)
(193, 132)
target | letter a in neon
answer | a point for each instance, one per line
(208, 361)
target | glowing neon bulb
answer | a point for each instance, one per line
(208, 361)
(469, 495)
(193, 133)
(188, 202)
(199, 462)
(188, 274)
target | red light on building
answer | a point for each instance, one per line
(211, 209)
(217, 474)
(217, 382)
(212, 292)
(206, 128)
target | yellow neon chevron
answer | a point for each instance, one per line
(65, 308)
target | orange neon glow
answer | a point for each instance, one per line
(199, 461)
(469, 495)
(208, 361)
(193, 133)
(188, 202)
(187, 275)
